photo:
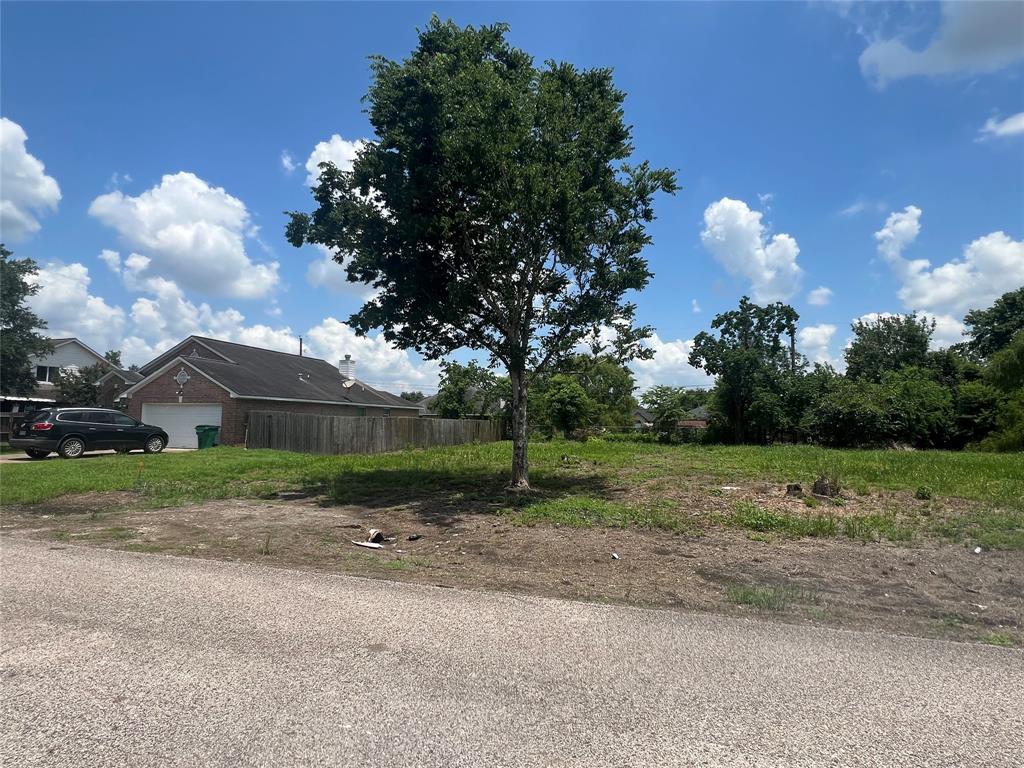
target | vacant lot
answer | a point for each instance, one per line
(691, 527)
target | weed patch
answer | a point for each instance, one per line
(753, 518)
(769, 598)
(999, 638)
(876, 528)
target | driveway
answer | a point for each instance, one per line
(113, 658)
(20, 456)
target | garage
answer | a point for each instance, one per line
(179, 421)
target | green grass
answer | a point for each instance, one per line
(876, 528)
(769, 598)
(595, 483)
(753, 518)
(987, 529)
(999, 638)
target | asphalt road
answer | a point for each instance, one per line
(117, 659)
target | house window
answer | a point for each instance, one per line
(47, 373)
(386, 412)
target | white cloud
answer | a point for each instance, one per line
(737, 238)
(989, 266)
(163, 315)
(861, 205)
(815, 341)
(325, 272)
(695, 306)
(116, 180)
(995, 128)
(192, 233)
(337, 150)
(972, 38)
(65, 303)
(901, 228)
(948, 330)
(820, 296)
(112, 259)
(25, 189)
(377, 362)
(670, 365)
(287, 161)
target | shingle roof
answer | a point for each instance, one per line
(130, 376)
(256, 372)
(700, 412)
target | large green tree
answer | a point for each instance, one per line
(565, 404)
(992, 329)
(79, 386)
(467, 392)
(887, 344)
(608, 385)
(20, 340)
(494, 210)
(752, 357)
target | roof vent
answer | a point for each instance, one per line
(347, 368)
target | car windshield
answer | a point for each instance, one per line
(35, 416)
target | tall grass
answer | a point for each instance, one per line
(481, 470)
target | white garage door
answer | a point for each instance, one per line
(179, 421)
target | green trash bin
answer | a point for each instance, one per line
(207, 435)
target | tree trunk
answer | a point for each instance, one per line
(520, 462)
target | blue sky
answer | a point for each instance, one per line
(818, 146)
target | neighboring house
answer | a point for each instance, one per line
(114, 383)
(66, 353)
(208, 381)
(642, 418)
(697, 418)
(428, 405)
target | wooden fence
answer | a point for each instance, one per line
(309, 433)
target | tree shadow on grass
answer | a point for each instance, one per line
(443, 496)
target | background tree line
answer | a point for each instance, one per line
(895, 391)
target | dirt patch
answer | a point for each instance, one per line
(926, 588)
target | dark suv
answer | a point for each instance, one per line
(73, 431)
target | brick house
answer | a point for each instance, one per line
(113, 383)
(209, 381)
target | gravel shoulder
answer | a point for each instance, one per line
(114, 658)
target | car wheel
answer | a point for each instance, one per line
(35, 453)
(155, 444)
(72, 448)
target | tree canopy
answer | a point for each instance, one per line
(494, 210)
(79, 386)
(467, 392)
(755, 349)
(992, 329)
(19, 326)
(888, 343)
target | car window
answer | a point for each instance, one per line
(70, 416)
(124, 421)
(99, 417)
(35, 416)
